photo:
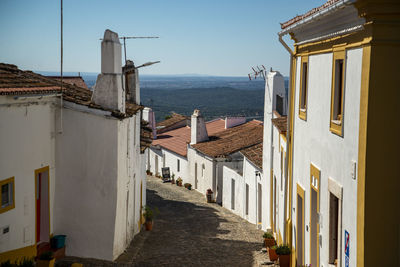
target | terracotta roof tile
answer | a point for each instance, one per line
(176, 140)
(280, 123)
(307, 14)
(232, 140)
(14, 81)
(73, 80)
(254, 154)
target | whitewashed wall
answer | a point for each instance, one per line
(27, 141)
(203, 182)
(239, 194)
(171, 161)
(314, 143)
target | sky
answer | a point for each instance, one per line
(206, 37)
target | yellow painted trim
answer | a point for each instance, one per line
(283, 137)
(316, 173)
(280, 240)
(303, 112)
(338, 54)
(37, 171)
(271, 199)
(10, 180)
(300, 193)
(18, 254)
(362, 148)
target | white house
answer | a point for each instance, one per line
(207, 154)
(343, 195)
(71, 161)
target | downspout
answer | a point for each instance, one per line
(289, 153)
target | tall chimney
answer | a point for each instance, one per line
(132, 85)
(198, 128)
(108, 91)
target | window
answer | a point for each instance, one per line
(7, 194)
(202, 170)
(303, 88)
(336, 123)
(178, 165)
(279, 104)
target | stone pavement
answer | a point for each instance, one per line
(188, 232)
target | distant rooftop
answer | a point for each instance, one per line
(73, 80)
(280, 123)
(168, 123)
(254, 154)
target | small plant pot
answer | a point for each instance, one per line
(45, 263)
(272, 254)
(189, 187)
(209, 200)
(284, 260)
(269, 242)
(149, 225)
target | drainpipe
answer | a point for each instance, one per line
(289, 140)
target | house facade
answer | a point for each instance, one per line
(73, 163)
(342, 90)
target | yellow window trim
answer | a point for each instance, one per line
(8, 181)
(336, 126)
(303, 112)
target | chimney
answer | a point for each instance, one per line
(234, 121)
(132, 86)
(198, 128)
(108, 91)
(148, 115)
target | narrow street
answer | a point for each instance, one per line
(190, 232)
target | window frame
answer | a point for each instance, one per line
(303, 111)
(336, 126)
(12, 206)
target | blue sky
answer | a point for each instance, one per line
(212, 37)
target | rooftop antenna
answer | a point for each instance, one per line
(258, 71)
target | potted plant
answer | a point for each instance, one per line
(46, 259)
(272, 253)
(189, 186)
(179, 181)
(209, 193)
(269, 239)
(148, 172)
(283, 252)
(149, 215)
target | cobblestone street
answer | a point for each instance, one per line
(190, 232)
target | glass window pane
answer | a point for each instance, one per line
(4, 195)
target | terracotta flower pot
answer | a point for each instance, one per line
(284, 260)
(149, 225)
(272, 254)
(45, 263)
(269, 242)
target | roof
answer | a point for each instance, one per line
(298, 18)
(73, 80)
(232, 140)
(175, 119)
(280, 123)
(146, 136)
(14, 81)
(254, 154)
(176, 140)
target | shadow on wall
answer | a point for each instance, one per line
(185, 234)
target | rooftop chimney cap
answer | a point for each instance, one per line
(197, 113)
(110, 36)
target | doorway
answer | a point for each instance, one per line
(259, 203)
(274, 204)
(300, 227)
(195, 175)
(233, 195)
(42, 205)
(156, 165)
(314, 215)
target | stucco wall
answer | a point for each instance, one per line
(86, 199)
(205, 181)
(331, 154)
(239, 194)
(27, 141)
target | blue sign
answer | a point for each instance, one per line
(347, 248)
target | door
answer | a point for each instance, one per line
(314, 215)
(259, 204)
(300, 227)
(42, 205)
(195, 175)
(156, 160)
(233, 195)
(274, 204)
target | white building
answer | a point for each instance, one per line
(73, 165)
(207, 154)
(343, 196)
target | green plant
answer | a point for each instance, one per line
(46, 256)
(283, 250)
(268, 235)
(26, 262)
(173, 175)
(7, 264)
(149, 213)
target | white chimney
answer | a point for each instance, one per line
(108, 90)
(198, 128)
(132, 85)
(234, 121)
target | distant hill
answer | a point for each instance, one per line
(213, 102)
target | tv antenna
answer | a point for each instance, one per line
(258, 71)
(134, 37)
